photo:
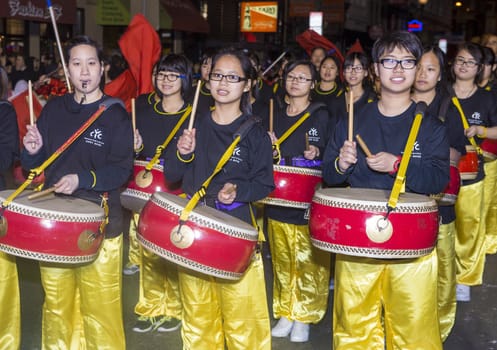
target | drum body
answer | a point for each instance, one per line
(144, 184)
(351, 221)
(489, 150)
(468, 164)
(210, 241)
(59, 229)
(295, 186)
(449, 195)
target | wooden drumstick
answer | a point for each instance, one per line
(42, 193)
(271, 115)
(306, 141)
(363, 145)
(351, 116)
(194, 106)
(133, 114)
(30, 103)
(59, 46)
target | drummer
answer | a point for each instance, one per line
(431, 87)
(159, 305)
(10, 316)
(219, 313)
(94, 167)
(299, 299)
(388, 304)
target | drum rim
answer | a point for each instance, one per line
(288, 169)
(188, 263)
(369, 252)
(284, 203)
(49, 257)
(248, 232)
(144, 163)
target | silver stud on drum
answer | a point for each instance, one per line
(379, 229)
(144, 178)
(85, 240)
(4, 226)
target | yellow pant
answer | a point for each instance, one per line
(159, 287)
(218, 312)
(97, 288)
(490, 206)
(386, 304)
(446, 252)
(10, 314)
(301, 273)
(134, 245)
(470, 234)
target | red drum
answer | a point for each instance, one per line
(351, 221)
(489, 150)
(295, 186)
(51, 228)
(468, 164)
(211, 241)
(449, 195)
(144, 184)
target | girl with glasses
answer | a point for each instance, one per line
(480, 110)
(159, 306)
(301, 272)
(217, 313)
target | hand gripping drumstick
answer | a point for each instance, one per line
(363, 145)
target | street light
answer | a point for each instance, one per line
(422, 2)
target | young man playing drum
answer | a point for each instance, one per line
(380, 303)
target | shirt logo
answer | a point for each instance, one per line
(236, 157)
(96, 137)
(476, 115)
(96, 134)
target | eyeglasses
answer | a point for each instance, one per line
(459, 61)
(230, 78)
(300, 79)
(357, 69)
(169, 76)
(390, 63)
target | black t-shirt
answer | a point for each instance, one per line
(9, 139)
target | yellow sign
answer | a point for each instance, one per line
(113, 12)
(259, 16)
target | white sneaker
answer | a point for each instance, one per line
(282, 328)
(463, 292)
(300, 332)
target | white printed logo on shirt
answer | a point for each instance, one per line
(96, 137)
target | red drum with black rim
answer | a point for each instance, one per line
(295, 186)
(351, 221)
(210, 241)
(144, 184)
(59, 229)
(468, 164)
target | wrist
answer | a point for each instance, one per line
(180, 157)
(396, 165)
(337, 167)
(483, 134)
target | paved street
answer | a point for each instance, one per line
(475, 328)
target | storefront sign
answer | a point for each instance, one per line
(37, 10)
(259, 16)
(113, 12)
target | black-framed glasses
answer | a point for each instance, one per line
(230, 78)
(300, 78)
(460, 61)
(169, 76)
(391, 63)
(357, 69)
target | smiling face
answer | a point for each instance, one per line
(465, 66)
(355, 73)
(396, 79)
(85, 69)
(167, 87)
(225, 92)
(428, 74)
(328, 70)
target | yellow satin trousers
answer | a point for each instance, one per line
(470, 234)
(10, 313)
(301, 273)
(446, 252)
(84, 299)
(386, 304)
(219, 313)
(159, 287)
(490, 206)
(134, 246)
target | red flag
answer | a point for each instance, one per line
(356, 47)
(141, 48)
(20, 103)
(311, 39)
